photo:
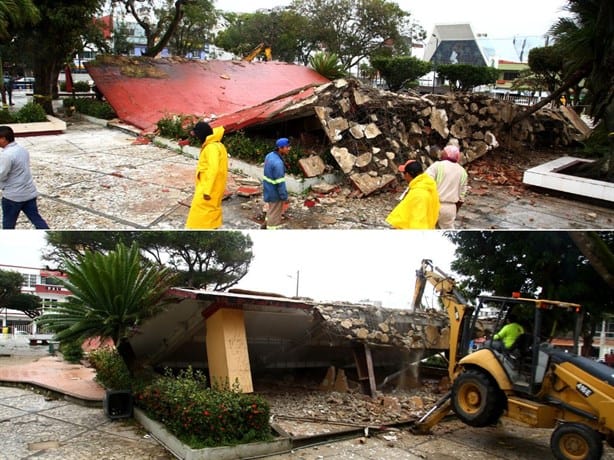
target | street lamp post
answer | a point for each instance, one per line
(297, 281)
(435, 62)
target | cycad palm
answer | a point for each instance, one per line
(111, 294)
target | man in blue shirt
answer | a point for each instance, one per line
(274, 190)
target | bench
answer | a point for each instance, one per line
(38, 341)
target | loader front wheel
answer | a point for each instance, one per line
(476, 399)
(575, 441)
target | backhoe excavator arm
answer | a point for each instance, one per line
(454, 304)
(459, 315)
(261, 48)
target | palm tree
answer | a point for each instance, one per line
(111, 295)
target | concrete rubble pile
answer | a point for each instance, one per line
(385, 326)
(373, 131)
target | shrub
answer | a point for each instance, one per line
(204, 417)
(252, 149)
(30, 113)
(177, 127)
(238, 144)
(78, 86)
(464, 77)
(111, 371)
(6, 117)
(71, 351)
(400, 72)
(92, 107)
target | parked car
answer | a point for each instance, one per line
(24, 83)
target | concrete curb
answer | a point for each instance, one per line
(182, 451)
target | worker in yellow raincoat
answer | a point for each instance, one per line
(211, 172)
(419, 207)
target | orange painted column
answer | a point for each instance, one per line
(227, 352)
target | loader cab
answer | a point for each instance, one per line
(526, 361)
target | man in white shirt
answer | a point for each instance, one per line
(451, 179)
(18, 190)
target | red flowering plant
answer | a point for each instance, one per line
(203, 416)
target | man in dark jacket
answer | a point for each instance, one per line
(274, 183)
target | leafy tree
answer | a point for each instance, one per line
(121, 43)
(211, 260)
(194, 29)
(356, 29)
(285, 31)
(160, 20)
(464, 77)
(10, 286)
(45, 47)
(16, 13)
(30, 304)
(541, 264)
(547, 63)
(595, 248)
(400, 71)
(111, 295)
(13, 14)
(11, 296)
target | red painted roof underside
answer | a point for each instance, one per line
(237, 93)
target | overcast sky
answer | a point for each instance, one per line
(337, 265)
(497, 19)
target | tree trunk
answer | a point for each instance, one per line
(596, 251)
(128, 356)
(43, 86)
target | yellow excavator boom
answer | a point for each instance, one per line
(261, 48)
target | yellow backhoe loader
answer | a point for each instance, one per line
(531, 382)
(261, 48)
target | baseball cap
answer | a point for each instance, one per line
(282, 142)
(402, 167)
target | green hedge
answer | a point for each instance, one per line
(78, 86)
(92, 107)
(238, 144)
(200, 416)
(29, 113)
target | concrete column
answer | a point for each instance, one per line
(227, 353)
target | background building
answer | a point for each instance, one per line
(43, 283)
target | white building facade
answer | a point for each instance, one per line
(42, 283)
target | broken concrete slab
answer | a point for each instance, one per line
(312, 166)
(370, 131)
(144, 90)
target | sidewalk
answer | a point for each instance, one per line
(50, 409)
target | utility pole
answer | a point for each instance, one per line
(297, 276)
